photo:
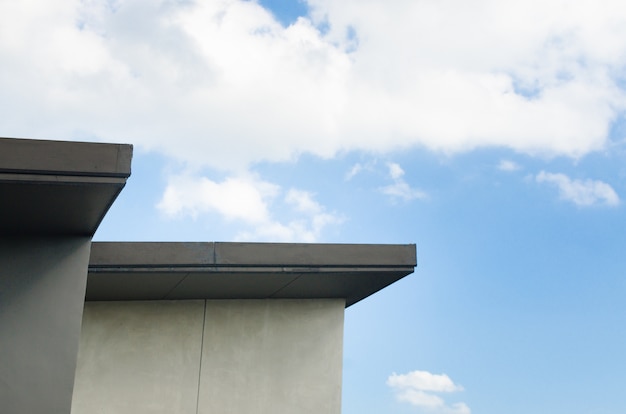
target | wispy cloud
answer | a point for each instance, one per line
(400, 189)
(581, 192)
(508, 165)
(419, 388)
(248, 200)
(356, 168)
(359, 168)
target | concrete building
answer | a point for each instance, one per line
(161, 327)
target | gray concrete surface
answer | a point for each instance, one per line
(228, 254)
(156, 271)
(272, 357)
(225, 356)
(53, 196)
(139, 357)
(59, 188)
(278, 352)
(33, 156)
(42, 285)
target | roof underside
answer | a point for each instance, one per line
(156, 271)
(59, 188)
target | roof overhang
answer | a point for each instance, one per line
(157, 271)
(59, 187)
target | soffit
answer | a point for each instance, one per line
(157, 271)
(59, 187)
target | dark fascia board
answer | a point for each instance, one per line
(157, 271)
(59, 187)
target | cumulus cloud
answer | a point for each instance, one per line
(248, 200)
(418, 388)
(223, 84)
(581, 192)
(400, 189)
(236, 198)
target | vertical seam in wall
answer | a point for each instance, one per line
(201, 352)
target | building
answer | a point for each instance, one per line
(161, 327)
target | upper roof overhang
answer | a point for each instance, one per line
(59, 187)
(155, 271)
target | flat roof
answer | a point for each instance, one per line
(218, 270)
(59, 187)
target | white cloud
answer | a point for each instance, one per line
(303, 201)
(223, 84)
(359, 168)
(400, 189)
(581, 192)
(236, 198)
(424, 381)
(356, 168)
(395, 171)
(418, 387)
(248, 200)
(508, 165)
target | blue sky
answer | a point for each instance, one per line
(490, 134)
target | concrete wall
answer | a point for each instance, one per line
(211, 357)
(139, 357)
(42, 289)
